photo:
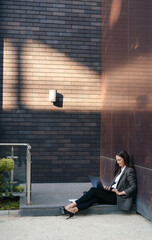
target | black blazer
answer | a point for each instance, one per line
(127, 183)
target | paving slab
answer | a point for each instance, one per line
(82, 227)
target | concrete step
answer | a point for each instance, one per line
(55, 211)
(48, 198)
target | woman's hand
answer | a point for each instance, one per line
(107, 188)
(117, 192)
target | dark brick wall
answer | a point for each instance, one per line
(52, 44)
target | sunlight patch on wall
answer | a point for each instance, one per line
(10, 75)
(128, 88)
(44, 68)
(35, 68)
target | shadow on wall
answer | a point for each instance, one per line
(59, 100)
(65, 145)
(70, 28)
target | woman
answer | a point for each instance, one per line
(121, 192)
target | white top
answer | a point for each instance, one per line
(118, 177)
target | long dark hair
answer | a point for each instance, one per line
(127, 161)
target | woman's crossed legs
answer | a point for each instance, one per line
(94, 195)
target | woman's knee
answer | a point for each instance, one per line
(97, 192)
(92, 190)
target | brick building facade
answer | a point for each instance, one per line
(52, 44)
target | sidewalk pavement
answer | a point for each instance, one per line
(80, 227)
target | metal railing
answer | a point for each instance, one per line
(28, 166)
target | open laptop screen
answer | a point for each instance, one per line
(96, 182)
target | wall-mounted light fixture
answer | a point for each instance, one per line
(52, 95)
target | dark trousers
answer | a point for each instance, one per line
(96, 195)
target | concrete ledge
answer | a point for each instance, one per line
(98, 210)
(55, 211)
(10, 213)
(106, 209)
(40, 211)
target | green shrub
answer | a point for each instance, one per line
(19, 188)
(6, 165)
(9, 203)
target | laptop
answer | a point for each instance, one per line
(96, 182)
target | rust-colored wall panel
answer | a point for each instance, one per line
(144, 196)
(126, 102)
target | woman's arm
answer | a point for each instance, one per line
(131, 178)
(118, 193)
(128, 184)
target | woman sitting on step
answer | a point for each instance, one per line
(122, 191)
